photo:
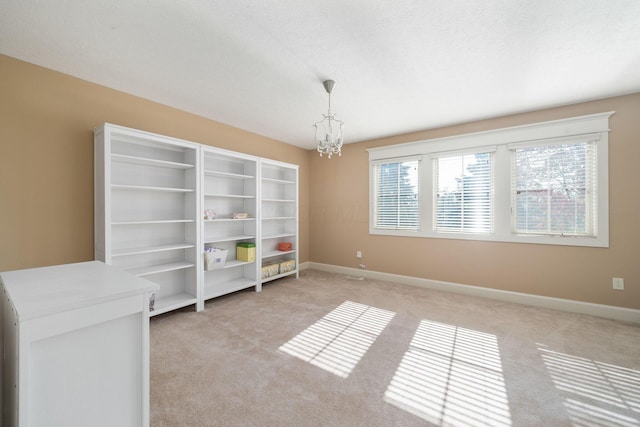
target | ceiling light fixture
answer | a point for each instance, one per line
(329, 130)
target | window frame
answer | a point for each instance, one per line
(592, 186)
(435, 191)
(502, 141)
(374, 189)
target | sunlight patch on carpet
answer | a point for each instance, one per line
(596, 393)
(451, 376)
(337, 342)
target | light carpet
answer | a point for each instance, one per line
(325, 350)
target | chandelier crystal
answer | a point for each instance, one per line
(329, 130)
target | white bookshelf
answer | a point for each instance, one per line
(146, 205)
(151, 194)
(278, 214)
(229, 185)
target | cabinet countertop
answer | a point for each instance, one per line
(43, 291)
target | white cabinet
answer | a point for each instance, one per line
(146, 205)
(230, 211)
(76, 346)
(279, 217)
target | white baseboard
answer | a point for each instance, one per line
(304, 265)
(600, 310)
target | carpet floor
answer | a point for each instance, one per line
(326, 350)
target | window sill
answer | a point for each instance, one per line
(596, 242)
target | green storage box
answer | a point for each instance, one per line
(246, 251)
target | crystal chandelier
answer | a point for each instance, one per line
(329, 130)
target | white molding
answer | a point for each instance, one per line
(581, 125)
(599, 310)
(304, 266)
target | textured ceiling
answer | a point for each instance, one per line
(399, 66)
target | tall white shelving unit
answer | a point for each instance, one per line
(278, 214)
(151, 193)
(229, 186)
(146, 204)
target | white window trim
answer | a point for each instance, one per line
(372, 205)
(489, 150)
(590, 126)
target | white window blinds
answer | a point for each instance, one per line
(463, 190)
(396, 195)
(554, 189)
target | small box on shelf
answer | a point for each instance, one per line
(246, 251)
(239, 215)
(285, 246)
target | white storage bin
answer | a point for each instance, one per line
(215, 259)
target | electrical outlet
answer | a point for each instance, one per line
(358, 254)
(618, 283)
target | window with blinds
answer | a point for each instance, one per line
(553, 189)
(542, 183)
(396, 195)
(463, 189)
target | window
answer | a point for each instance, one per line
(396, 188)
(463, 186)
(553, 189)
(543, 183)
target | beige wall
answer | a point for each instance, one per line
(46, 191)
(46, 159)
(339, 222)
